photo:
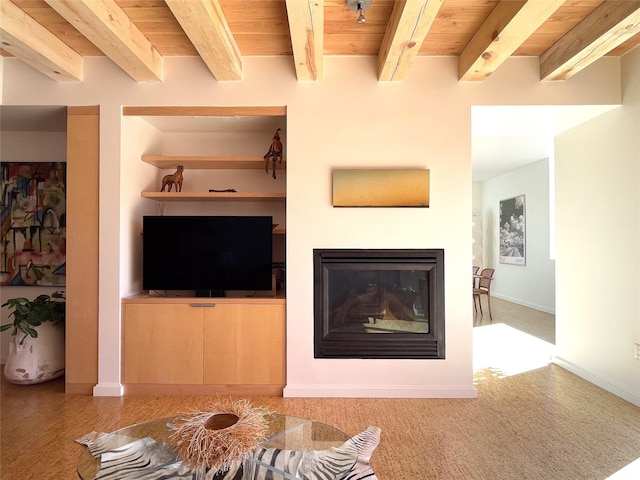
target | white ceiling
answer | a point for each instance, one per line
(504, 138)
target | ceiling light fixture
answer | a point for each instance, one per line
(359, 6)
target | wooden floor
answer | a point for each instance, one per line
(534, 322)
(541, 424)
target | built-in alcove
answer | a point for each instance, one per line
(221, 150)
(379, 303)
(57, 133)
(29, 135)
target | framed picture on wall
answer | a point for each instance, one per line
(33, 249)
(512, 231)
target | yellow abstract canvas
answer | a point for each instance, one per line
(381, 187)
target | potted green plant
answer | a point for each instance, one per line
(36, 351)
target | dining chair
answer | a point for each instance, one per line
(483, 288)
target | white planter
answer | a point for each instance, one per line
(38, 359)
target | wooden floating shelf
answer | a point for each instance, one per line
(208, 162)
(215, 196)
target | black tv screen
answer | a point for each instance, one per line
(209, 254)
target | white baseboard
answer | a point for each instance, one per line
(518, 301)
(374, 391)
(603, 383)
(108, 390)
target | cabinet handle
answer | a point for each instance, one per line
(208, 305)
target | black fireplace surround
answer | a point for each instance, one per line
(380, 303)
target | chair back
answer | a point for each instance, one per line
(474, 269)
(485, 278)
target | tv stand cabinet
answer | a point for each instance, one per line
(204, 346)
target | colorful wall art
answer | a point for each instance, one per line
(33, 249)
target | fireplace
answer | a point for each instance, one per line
(379, 303)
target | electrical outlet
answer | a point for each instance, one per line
(636, 350)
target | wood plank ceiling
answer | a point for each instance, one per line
(54, 36)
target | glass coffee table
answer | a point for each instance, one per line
(286, 432)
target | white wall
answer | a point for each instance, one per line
(477, 226)
(33, 146)
(136, 176)
(27, 147)
(533, 284)
(350, 119)
(598, 243)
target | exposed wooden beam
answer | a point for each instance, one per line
(109, 28)
(29, 41)
(508, 26)
(407, 28)
(206, 26)
(608, 26)
(306, 27)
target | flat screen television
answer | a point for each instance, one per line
(209, 254)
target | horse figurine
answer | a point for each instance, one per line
(274, 153)
(174, 178)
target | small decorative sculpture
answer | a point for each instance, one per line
(274, 153)
(173, 179)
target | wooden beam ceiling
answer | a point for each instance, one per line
(306, 27)
(36, 46)
(408, 26)
(508, 26)
(206, 26)
(609, 25)
(54, 36)
(109, 28)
